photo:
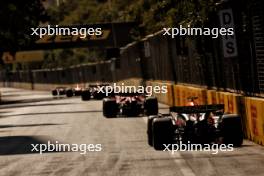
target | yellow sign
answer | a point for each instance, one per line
(24, 56)
(8, 58)
(72, 38)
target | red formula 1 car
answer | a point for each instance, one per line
(129, 104)
(200, 124)
(95, 91)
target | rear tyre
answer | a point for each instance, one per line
(62, 92)
(151, 106)
(54, 92)
(86, 95)
(110, 108)
(69, 93)
(149, 129)
(77, 93)
(162, 132)
(231, 130)
(98, 96)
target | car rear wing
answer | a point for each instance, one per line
(98, 85)
(128, 94)
(197, 108)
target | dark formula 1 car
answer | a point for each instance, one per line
(129, 104)
(77, 91)
(58, 91)
(95, 91)
(199, 124)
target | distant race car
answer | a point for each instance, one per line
(129, 104)
(95, 91)
(200, 124)
(58, 91)
(76, 91)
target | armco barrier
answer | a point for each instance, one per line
(183, 92)
(163, 98)
(230, 100)
(234, 104)
(130, 82)
(255, 119)
(211, 96)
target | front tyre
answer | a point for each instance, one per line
(149, 129)
(86, 95)
(69, 93)
(110, 108)
(151, 106)
(54, 92)
(162, 132)
(231, 130)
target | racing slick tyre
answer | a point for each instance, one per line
(62, 92)
(54, 92)
(69, 93)
(77, 93)
(231, 130)
(151, 106)
(149, 129)
(99, 95)
(162, 132)
(110, 108)
(86, 95)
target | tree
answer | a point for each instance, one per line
(16, 20)
(151, 15)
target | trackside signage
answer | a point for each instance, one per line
(23, 56)
(72, 38)
(228, 41)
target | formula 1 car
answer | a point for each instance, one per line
(95, 91)
(129, 104)
(77, 91)
(58, 91)
(200, 124)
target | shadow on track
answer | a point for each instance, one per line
(34, 105)
(5, 95)
(46, 113)
(34, 100)
(125, 117)
(12, 145)
(29, 125)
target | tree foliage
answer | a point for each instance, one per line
(151, 15)
(16, 18)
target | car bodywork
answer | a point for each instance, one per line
(129, 104)
(59, 91)
(93, 91)
(200, 124)
(76, 91)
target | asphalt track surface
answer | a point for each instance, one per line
(35, 117)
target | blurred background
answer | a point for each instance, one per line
(233, 64)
